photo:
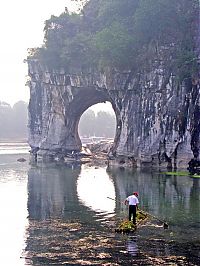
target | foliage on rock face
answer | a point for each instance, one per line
(122, 34)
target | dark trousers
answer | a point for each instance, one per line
(132, 212)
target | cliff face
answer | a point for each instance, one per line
(57, 101)
(158, 124)
(157, 116)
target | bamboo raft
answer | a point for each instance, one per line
(126, 227)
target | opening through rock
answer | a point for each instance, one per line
(97, 127)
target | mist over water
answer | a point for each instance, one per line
(13, 148)
(13, 203)
(49, 208)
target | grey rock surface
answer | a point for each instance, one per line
(157, 116)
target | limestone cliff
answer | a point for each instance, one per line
(145, 63)
(157, 115)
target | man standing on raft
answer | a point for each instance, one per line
(132, 201)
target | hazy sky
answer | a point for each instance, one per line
(22, 24)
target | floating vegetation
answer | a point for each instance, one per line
(181, 174)
(195, 176)
(127, 227)
(177, 173)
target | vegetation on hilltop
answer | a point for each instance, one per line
(123, 35)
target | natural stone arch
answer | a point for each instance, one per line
(85, 98)
(57, 102)
(98, 121)
(157, 117)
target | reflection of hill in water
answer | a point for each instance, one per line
(52, 190)
(65, 229)
(174, 198)
(61, 224)
(66, 191)
(55, 189)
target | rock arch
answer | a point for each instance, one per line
(56, 104)
(157, 117)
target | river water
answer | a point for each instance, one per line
(56, 214)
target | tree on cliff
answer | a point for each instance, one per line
(122, 34)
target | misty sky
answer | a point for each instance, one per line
(22, 24)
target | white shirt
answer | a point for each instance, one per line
(132, 200)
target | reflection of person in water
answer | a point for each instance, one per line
(132, 201)
(132, 246)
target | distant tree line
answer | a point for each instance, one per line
(101, 125)
(13, 121)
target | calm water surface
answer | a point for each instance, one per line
(55, 214)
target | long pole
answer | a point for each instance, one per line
(165, 225)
